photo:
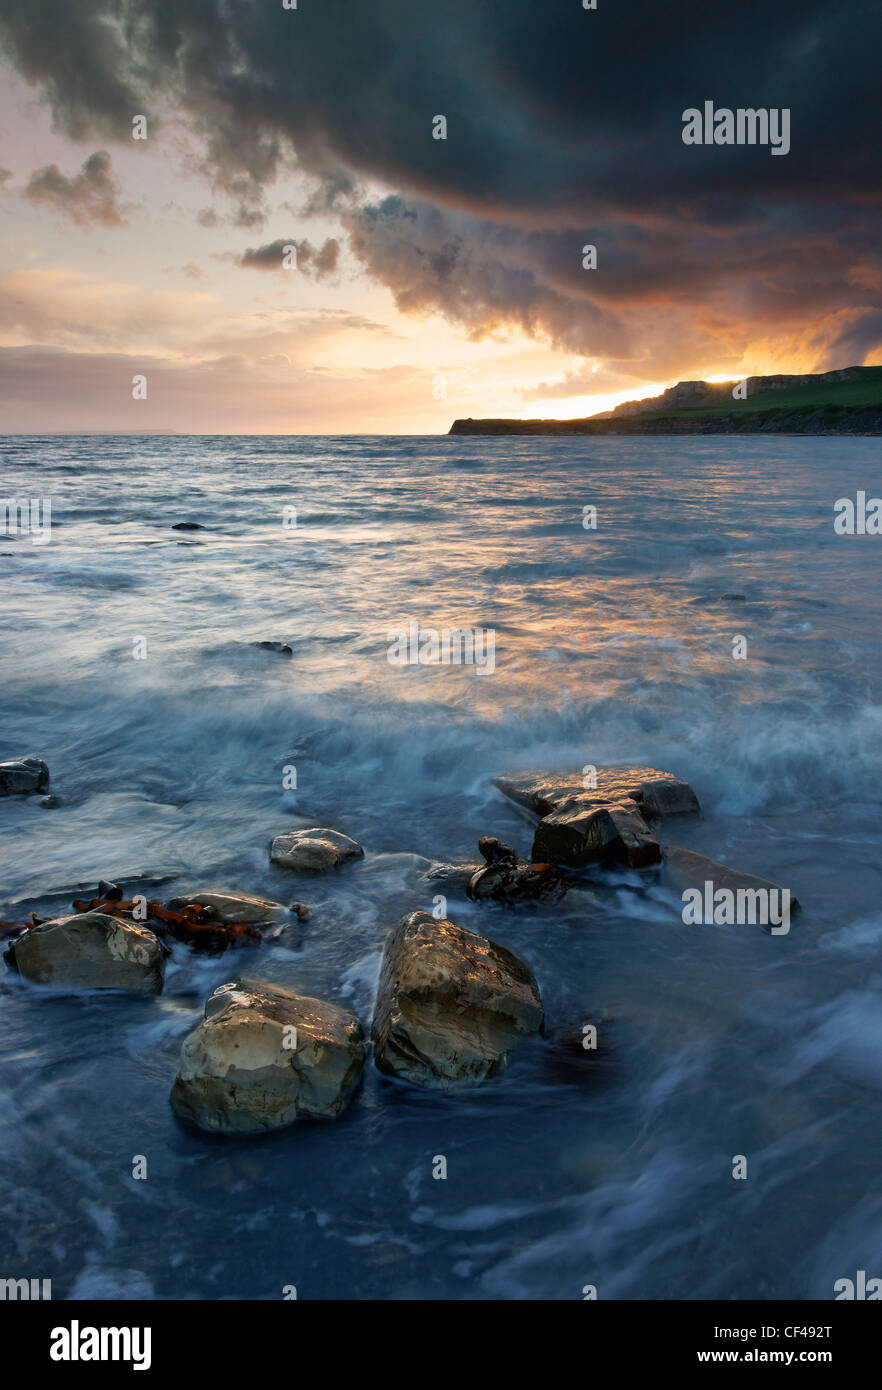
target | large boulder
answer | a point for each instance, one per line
(23, 775)
(264, 1057)
(582, 825)
(91, 950)
(316, 849)
(235, 908)
(450, 1006)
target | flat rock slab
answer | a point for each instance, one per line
(685, 868)
(91, 951)
(235, 908)
(451, 1005)
(316, 849)
(23, 775)
(582, 825)
(264, 1057)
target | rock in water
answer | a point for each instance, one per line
(91, 951)
(264, 1057)
(315, 849)
(23, 775)
(280, 648)
(505, 879)
(450, 1005)
(450, 875)
(580, 825)
(502, 877)
(576, 835)
(685, 868)
(235, 908)
(495, 851)
(567, 1058)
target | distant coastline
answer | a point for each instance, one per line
(846, 401)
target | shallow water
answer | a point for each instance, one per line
(612, 646)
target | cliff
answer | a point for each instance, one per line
(846, 401)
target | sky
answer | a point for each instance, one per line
(432, 278)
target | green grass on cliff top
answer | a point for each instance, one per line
(866, 390)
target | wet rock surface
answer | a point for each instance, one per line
(443, 875)
(23, 776)
(610, 821)
(574, 1058)
(265, 1057)
(209, 922)
(502, 877)
(576, 835)
(450, 1005)
(234, 908)
(316, 849)
(685, 868)
(280, 648)
(90, 950)
(506, 879)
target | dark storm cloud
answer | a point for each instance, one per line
(480, 274)
(859, 337)
(564, 127)
(91, 196)
(317, 261)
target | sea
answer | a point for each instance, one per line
(680, 603)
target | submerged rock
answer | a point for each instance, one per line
(581, 825)
(573, 1059)
(280, 648)
(451, 875)
(315, 849)
(23, 775)
(685, 868)
(264, 1057)
(188, 526)
(234, 908)
(450, 1005)
(91, 950)
(11, 927)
